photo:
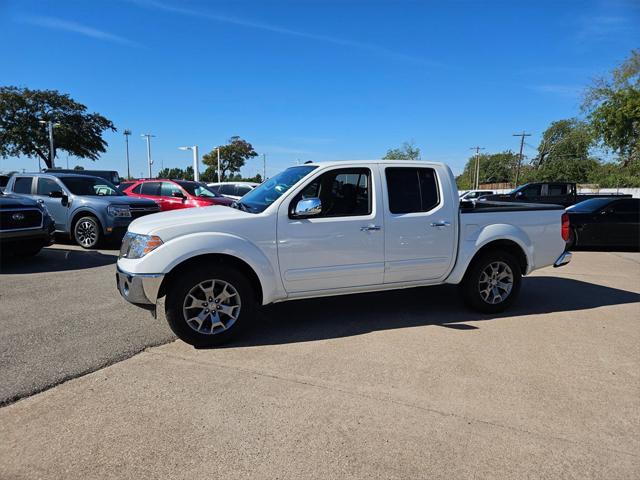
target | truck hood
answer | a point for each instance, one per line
(189, 220)
(8, 200)
(122, 200)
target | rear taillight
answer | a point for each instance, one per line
(565, 227)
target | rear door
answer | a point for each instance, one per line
(151, 190)
(419, 225)
(343, 247)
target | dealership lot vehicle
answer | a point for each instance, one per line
(558, 193)
(111, 176)
(175, 194)
(86, 208)
(330, 229)
(605, 222)
(475, 194)
(234, 190)
(25, 226)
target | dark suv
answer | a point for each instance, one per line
(25, 226)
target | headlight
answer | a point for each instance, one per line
(135, 245)
(119, 210)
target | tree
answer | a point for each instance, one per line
(78, 167)
(613, 108)
(232, 156)
(77, 132)
(408, 151)
(177, 173)
(494, 168)
(564, 152)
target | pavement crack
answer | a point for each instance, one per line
(388, 400)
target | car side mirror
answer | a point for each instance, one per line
(178, 195)
(308, 207)
(519, 194)
(56, 194)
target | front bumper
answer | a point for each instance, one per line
(141, 289)
(562, 259)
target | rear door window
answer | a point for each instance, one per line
(242, 190)
(151, 188)
(23, 185)
(227, 190)
(412, 189)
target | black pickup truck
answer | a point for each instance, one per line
(558, 193)
(25, 226)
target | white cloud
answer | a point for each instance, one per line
(68, 26)
(571, 91)
(374, 49)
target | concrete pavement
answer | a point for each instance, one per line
(396, 385)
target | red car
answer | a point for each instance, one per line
(175, 194)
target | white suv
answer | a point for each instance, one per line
(235, 190)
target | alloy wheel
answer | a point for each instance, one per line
(211, 307)
(86, 233)
(495, 283)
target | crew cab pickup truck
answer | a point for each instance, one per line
(558, 193)
(328, 229)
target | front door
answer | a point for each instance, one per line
(58, 208)
(171, 202)
(420, 238)
(343, 246)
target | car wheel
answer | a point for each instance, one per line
(492, 282)
(208, 306)
(86, 232)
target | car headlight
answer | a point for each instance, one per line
(135, 245)
(119, 210)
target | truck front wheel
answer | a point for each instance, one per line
(492, 282)
(208, 306)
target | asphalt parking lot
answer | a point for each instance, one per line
(405, 384)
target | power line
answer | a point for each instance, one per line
(476, 181)
(521, 135)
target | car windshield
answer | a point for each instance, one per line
(198, 189)
(92, 186)
(258, 199)
(591, 205)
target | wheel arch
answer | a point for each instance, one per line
(213, 258)
(84, 212)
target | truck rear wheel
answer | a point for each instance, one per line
(208, 306)
(492, 282)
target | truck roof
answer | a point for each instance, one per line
(425, 163)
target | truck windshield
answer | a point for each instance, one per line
(92, 186)
(258, 199)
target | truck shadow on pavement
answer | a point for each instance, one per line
(344, 316)
(57, 260)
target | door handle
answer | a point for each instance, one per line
(370, 228)
(443, 223)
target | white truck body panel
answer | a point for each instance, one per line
(301, 258)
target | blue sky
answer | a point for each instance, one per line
(321, 80)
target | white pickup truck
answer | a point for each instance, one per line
(329, 229)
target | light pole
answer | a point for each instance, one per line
(147, 137)
(196, 167)
(126, 134)
(264, 167)
(219, 178)
(52, 152)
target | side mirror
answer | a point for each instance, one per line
(178, 195)
(308, 207)
(519, 194)
(56, 194)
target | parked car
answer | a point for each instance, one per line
(234, 190)
(329, 229)
(558, 193)
(84, 207)
(109, 175)
(605, 222)
(25, 226)
(176, 194)
(473, 195)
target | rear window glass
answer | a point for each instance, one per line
(22, 185)
(411, 189)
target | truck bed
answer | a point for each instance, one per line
(506, 206)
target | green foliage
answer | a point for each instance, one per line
(208, 176)
(79, 133)
(494, 168)
(408, 151)
(232, 156)
(176, 173)
(613, 107)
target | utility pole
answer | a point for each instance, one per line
(126, 134)
(477, 167)
(264, 167)
(219, 177)
(521, 135)
(148, 137)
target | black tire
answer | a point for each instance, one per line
(471, 284)
(188, 280)
(87, 232)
